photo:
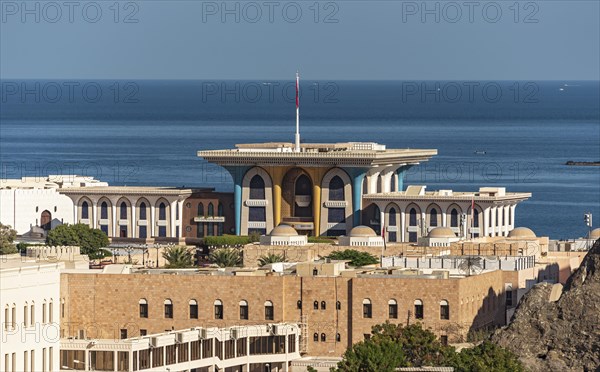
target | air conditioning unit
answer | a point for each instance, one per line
(203, 333)
(275, 329)
(186, 336)
(235, 333)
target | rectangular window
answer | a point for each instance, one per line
(14, 362)
(207, 349)
(123, 334)
(143, 232)
(193, 311)
(157, 356)
(6, 362)
(143, 332)
(102, 361)
(242, 349)
(218, 311)
(171, 353)
(444, 340)
(14, 318)
(509, 298)
(257, 214)
(143, 310)
(195, 350)
(199, 230)
(243, 312)
(32, 364)
(43, 360)
(419, 311)
(269, 313)
(50, 359)
(444, 312)
(162, 231)
(25, 361)
(336, 215)
(393, 311)
(104, 229)
(169, 311)
(144, 359)
(367, 311)
(182, 353)
(123, 361)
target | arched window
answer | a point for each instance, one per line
(336, 189)
(316, 337)
(123, 213)
(323, 305)
(475, 217)
(316, 305)
(143, 308)
(367, 308)
(211, 210)
(393, 309)
(418, 309)
(218, 309)
(338, 305)
(412, 217)
(444, 310)
(162, 211)
(510, 216)
(433, 217)
(32, 314)
(323, 337)
(315, 271)
(143, 212)
(193, 309)
(269, 311)
(104, 210)
(338, 337)
(85, 210)
(200, 210)
(392, 216)
(243, 310)
(257, 188)
(454, 218)
(168, 309)
(220, 209)
(299, 304)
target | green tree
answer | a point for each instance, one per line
(7, 237)
(486, 357)
(356, 258)
(226, 257)
(392, 346)
(178, 257)
(270, 258)
(89, 240)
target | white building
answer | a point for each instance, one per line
(284, 235)
(30, 316)
(35, 201)
(361, 236)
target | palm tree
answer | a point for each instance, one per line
(178, 257)
(226, 257)
(270, 258)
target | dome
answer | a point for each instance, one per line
(521, 232)
(441, 232)
(283, 230)
(595, 234)
(362, 231)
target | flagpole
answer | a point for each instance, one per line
(297, 146)
(472, 216)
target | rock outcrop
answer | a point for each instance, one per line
(561, 335)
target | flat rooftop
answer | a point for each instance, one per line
(416, 192)
(344, 153)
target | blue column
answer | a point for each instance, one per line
(237, 173)
(358, 175)
(401, 172)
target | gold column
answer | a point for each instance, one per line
(277, 175)
(317, 208)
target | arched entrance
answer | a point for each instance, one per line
(297, 200)
(46, 220)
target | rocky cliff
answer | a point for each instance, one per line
(554, 331)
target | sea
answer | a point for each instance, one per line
(513, 134)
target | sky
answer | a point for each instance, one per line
(343, 40)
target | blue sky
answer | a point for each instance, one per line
(354, 40)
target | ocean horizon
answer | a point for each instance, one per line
(514, 134)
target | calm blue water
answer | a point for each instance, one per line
(148, 132)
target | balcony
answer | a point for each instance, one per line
(198, 219)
